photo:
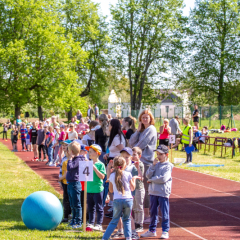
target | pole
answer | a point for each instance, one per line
(171, 153)
(85, 207)
(231, 116)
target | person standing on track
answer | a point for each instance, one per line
(33, 139)
(41, 135)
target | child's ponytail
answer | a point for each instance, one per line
(119, 163)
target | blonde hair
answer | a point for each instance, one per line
(74, 147)
(166, 120)
(118, 164)
(104, 119)
(186, 120)
(138, 150)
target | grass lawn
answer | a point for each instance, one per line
(17, 181)
(231, 167)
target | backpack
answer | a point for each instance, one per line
(230, 141)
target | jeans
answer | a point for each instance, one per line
(94, 201)
(50, 153)
(74, 193)
(66, 203)
(24, 143)
(105, 191)
(120, 207)
(157, 201)
(43, 148)
(189, 155)
(56, 150)
(146, 202)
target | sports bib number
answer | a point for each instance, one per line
(86, 171)
(172, 138)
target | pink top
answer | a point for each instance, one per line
(61, 135)
(82, 127)
(51, 134)
(165, 134)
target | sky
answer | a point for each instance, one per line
(104, 4)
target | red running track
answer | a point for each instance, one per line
(201, 206)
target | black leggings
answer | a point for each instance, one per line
(66, 203)
(24, 143)
(4, 134)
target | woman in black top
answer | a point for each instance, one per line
(128, 124)
(101, 136)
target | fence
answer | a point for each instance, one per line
(212, 116)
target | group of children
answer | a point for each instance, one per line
(125, 177)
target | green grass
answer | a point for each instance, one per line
(17, 181)
(231, 167)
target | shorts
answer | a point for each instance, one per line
(34, 140)
(164, 141)
(196, 120)
(28, 142)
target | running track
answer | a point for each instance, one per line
(201, 206)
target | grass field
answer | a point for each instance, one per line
(17, 181)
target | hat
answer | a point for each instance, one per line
(96, 128)
(62, 126)
(83, 147)
(66, 142)
(96, 148)
(128, 150)
(162, 149)
(57, 127)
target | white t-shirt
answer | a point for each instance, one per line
(72, 135)
(88, 140)
(127, 176)
(113, 150)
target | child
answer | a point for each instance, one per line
(12, 136)
(160, 183)
(139, 193)
(121, 183)
(56, 146)
(61, 138)
(5, 129)
(15, 139)
(41, 142)
(95, 188)
(49, 145)
(127, 153)
(74, 186)
(23, 132)
(28, 142)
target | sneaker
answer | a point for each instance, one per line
(47, 163)
(97, 227)
(65, 220)
(44, 160)
(165, 235)
(139, 229)
(110, 204)
(71, 223)
(135, 236)
(109, 215)
(90, 225)
(76, 226)
(149, 234)
(118, 234)
(147, 221)
(52, 165)
(110, 209)
(36, 159)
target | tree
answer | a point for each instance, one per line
(213, 55)
(144, 40)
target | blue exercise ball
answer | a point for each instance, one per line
(42, 210)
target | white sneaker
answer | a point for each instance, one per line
(165, 235)
(97, 227)
(52, 165)
(110, 204)
(90, 226)
(149, 234)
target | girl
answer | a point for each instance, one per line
(89, 138)
(56, 146)
(121, 183)
(49, 145)
(61, 138)
(128, 124)
(165, 131)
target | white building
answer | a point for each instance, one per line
(175, 103)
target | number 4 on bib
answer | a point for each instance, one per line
(86, 171)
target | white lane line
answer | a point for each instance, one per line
(186, 230)
(229, 215)
(206, 187)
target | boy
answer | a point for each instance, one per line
(23, 132)
(15, 139)
(28, 142)
(5, 129)
(74, 186)
(12, 136)
(139, 192)
(160, 183)
(134, 169)
(95, 188)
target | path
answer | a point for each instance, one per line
(201, 206)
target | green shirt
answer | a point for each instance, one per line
(96, 186)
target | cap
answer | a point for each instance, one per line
(62, 126)
(83, 147)
(128, 150)
(162, 149)
(96, 128)
(96, 148)
(66, 142)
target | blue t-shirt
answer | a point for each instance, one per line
(18, 121)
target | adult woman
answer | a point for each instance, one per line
(128, 124)
(145, 138)
(79, 115)
(89, 138)
(72, 134)
(187, 137)
(101, 137)
(165, 131)
(82, 126)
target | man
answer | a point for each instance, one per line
(195, 116)
(89, 112)
(175, 130)
(96, 109)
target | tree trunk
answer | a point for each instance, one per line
(17, 111)
(40, 113)
(69, 115)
